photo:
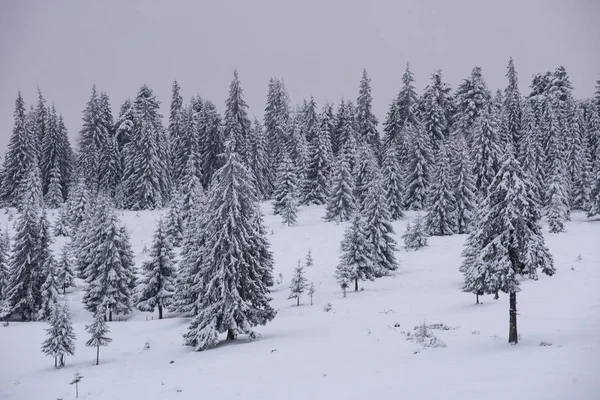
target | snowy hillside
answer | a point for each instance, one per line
(357, 350)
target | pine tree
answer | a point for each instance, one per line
(311, 291)
(316, 179)
(472, 99)
(42, 117)
(4, 271)
(416, 235)
(418, 173)
(145, 179)
(277, 117)
(99, 331)
(557, 201)
(110, 273)
(364, 171)
(392, 183)
(356, 261)
(177, 130)
(175, 223)
(309, 259)
(61, 335)
(24, 289)
(21, 155)
(299, 283)
(156, 287)
(507, 241)
(49, 289)
(556, 194)
(61, 224)
(236, 123)
(365, 120)
(578, 162)
(51, 162)
(341, 204)
(236, 269)
(345, 132)
(512, 107)
(379, 229)
(258, 160)
(407, 100)
(285, 198)
(485, 151)
(186, 146)
(78, 203)
(531, 154)
(212, 145)
(441, 218)
(463, 186)
(435, 110)
(65, 276)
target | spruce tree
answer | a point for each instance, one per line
(365, 119)
(507, 241)
(531, 154)
(299, 283)
(392, 182)
(346, 128)
(236, 123)
(418, 172)
(556, 194)
(578, 163)
(65, 276)
(277, 116)
(485, 150)
(156, 287)
(258, 160)
(286, 187)
(42, 120)
(316, 177)
(175, 223)
(61, 224)
(177, 129)
(407, 100)
(236, 267)
(78, 203)
(435, 110)
(463, 186)
(51, 162)
(99, 331)
(311, 291)
(472, 99)
(22, 153)
(61, 335)
(110, 273)
(49, 289)
(379, 229)
(24, 288)
(512, 107)
(341, 204)
(441, 217)
(356, 261)
(212, 145)
(416, 235)
(4, 271)
(364, 172)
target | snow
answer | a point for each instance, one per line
(353, 351)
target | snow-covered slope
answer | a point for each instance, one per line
(356, 350)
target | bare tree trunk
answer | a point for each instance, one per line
(76, 390)
(496, 297)
(344, 290)
(110, 315)
(64, 289)
(297, 301)
(97, 354)
(160, 308)
(476, 298)
(513, 336)
(55, 362)
(356, 284)
(230, 335)
(311, 303)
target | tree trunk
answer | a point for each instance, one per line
(496, 297)
(297, 301)
(55, 362)
(311, 300)
(513, 337)
(160, 311)
(97, 354)
(476, 298)
(230, 335)
(344, 290)
(356, 284)
(64, 289)
(110, 315)
(76, 390)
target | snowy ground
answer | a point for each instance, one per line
(354, 351)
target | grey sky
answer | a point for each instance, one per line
(319, 47)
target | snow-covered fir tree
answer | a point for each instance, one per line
(186, 145)
(365, 119)
(513, 108)
(22, 153)
(345, 132)
(311, 291)
(392, 182)
(435, 115)
(110, 270)
(485, 150)
(177, 130)
(99, 334)
(356, 261)
(341, 204)
(65, 275)
(578, 162)
(364, 171)
(531, 154)
(309, 259)
(55, 162)
(212, 145)
(418, 169)
(299, 283)
(416, 234)
(258, 160)
(49, 289)
(441, 217)
(316, 176)
(4, 263)
(77, 203)
(61, 335)
(407, 100)
(146, 178)
(190, 188)
(462, 185)
(61, 223)
(156, 287)
(507, 241)
(41, 119)
(236, 123)
(380, 232)
(232, 288)
(285, 198)
(174, 221)
(24, 289)
(472, 99)
(276, 120)
(557, 190)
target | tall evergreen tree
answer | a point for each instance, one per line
(236, 123)
(436, 108)
(407, 101)
(42, 119)
(285, 202)
(365, 119)
(531, 154)
(379, 228)
(316, 177)
(212, 145)
(512, 107)
(418, 172)
(61, 335)
(578, 162)
(507, 241)
(341, 204)
(21, 155)
(364, 171)
(463, 185)
(557, 189)
(392, 183)
(356, 260)
(50, 163)
(176, 128)
(156, 288)
(277, 118)
(258, 160)
(472, 99)
(4, 271)
(485, 151)
(77, 204)
(236, 269)
(441, 218)
(49, 289)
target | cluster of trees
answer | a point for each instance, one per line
(444, 153)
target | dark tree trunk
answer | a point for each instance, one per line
(97, 354)
(110, 315)
(311, 303)
(65, 289)
(230, 335)
(344, 290)
(356, 284)
(513, 337)
(55, 362)
(298, 301)
(476, 298)
(496, 297)
(160, 311)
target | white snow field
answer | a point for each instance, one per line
(355, 351)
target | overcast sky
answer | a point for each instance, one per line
(319, 47)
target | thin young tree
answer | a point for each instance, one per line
(416, 234)
(156, 287)
(285, 202)
(65, 275)
(356, 260)
(61, 335)
(299, 283)
(98, 331)
(311, 291)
